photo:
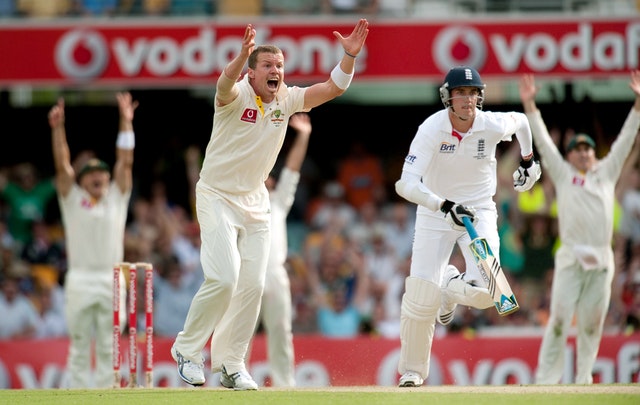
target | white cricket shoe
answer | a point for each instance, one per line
(239, 381)
(448, 306)
(190, 372)
(410, 379)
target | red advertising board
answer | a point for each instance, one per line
(456, 360)
(139, 53)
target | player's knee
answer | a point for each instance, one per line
(421, 298)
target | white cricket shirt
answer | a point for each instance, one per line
(94, 230)
(585, 200)
(245, 140)
(462, 170)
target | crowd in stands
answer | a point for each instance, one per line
(181, 8)
(368, 8)
(350, 246)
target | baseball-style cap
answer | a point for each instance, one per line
(91, 166)
(578, 139)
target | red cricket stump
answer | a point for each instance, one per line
(116, 326)
(133, 327)
(131, 270)
(148, 305)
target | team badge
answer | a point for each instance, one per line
(276, 118)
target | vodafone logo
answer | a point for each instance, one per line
(459, 45)
(85, 54)
(81, 54)
(577, 48)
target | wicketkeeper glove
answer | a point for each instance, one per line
(527, 174)
(454, 213)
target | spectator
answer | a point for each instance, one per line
(193, 7)
(361, 175)
(42, 249)
(380, 264)
(97, 8)
(538, 243)
(156, 7)
(45, 8)
(8, 8)
(340, 298)
(399, 228)
(290, 7)
(339, 285)
(368, 223)
(173, 290)
(386, 315)
(355, 7)
(303, 308)
(49, 300)
(19, 318)
(239, 8)
(27, 198)
(332, 208)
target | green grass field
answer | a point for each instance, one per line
(614, 394)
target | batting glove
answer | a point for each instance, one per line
(527, 174)
(454, 213)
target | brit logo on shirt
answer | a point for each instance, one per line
(249, 115)
(410, 159)
(446, 147)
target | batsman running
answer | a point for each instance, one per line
(450, 173)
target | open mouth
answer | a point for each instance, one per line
(272, 84)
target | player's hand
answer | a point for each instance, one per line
(56, 114)
(454, 213)
(527, 174)
(355, 41)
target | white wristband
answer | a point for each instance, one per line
(340, 78)
(126, 140)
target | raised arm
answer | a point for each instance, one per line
(65, 175)
(528, 92)
(342, 74)
(226, 91)
(635, 86)
(301, 123)
(122, 170)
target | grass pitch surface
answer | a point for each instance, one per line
(610, 394)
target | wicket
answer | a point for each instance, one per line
(131, 270)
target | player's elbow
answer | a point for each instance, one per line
(401, 188)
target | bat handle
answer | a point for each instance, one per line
(470, 229)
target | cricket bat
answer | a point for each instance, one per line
(491, 271)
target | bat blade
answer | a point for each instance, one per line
(498, 286)
(491, 271)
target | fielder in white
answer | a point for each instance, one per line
(450, 173)
(232, 201)
(276, 312)
(94, 214)
(584, 263)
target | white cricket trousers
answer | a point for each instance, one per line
(276, 315)
(585, 294)
(89, 312)
(234, 252)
